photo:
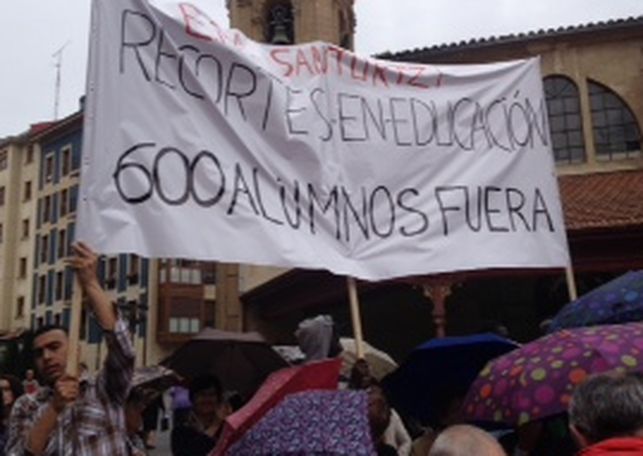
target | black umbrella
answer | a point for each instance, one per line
(242, 361)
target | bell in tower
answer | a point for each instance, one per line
(279, 24)
(295, 21)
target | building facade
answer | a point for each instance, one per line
(594, 91)
(18, 180)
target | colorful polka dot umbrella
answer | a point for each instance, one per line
(617, 301)
(537, 380)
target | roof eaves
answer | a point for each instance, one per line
(558, 32)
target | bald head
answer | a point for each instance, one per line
(464, 440)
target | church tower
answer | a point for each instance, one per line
(278, 22)
(295, 21)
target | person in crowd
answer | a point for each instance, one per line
(395, 433)
(379, 417)
(198, 435)
(465, 440)
(3, 430)
(30, 384)
(11, 389)
(606, 415)
(317, 338)
(360, 376)
(230, 403)
(66, 416)
(134, 407)
(540, 438)
(151, 421)
(181, 404)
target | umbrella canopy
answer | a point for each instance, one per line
(439, 370)
(313, 376)
(157, 378)
(242, 361)
(312, 423)
(617, 301)
(537, 380)
(380, 362)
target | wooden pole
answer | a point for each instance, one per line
(355, 317)
(438, 291)
(73, 350)
(571, 283)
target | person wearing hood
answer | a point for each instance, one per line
(317, 338)
(606, 415)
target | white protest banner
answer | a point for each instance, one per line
(200, 143)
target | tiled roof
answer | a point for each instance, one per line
(602, 200)
(634, 23)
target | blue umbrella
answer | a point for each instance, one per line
(617, 301)
(440, 370)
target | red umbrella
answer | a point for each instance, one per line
(313, 376)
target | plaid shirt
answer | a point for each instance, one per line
(95, 424)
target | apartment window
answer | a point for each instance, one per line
(64, 202)
(185, 315)
(2, 191)
(25, 228)
(46, 209)
(133, 269)
(185, 271)
(112, 266)
(26, 194)
(44, 248)
(58, 290)
(49, 168)
(210, 274)
(66, 161)
(20, 307)
(4, 160)
(42, 288)
(616, 131)
(184, 325)
(61, 244)
(29, 156)
(22, 268)
(57, 319)
(565, 120)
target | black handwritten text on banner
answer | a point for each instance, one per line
(201, 143)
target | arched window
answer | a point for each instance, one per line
(279, 23)
(616, 132)
(565, 121)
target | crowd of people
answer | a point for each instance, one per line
(52, 412)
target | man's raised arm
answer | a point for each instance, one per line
(115, 378)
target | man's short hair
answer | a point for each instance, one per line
(46, 328)
(205, 382)
(465, 440)
(607, 406)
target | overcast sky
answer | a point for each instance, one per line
(32, 30)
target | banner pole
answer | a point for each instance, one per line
(571, 283)
(75, 313)
(355, 317)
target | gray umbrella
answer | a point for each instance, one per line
(242, 361)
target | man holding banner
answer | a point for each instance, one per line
(71, 416)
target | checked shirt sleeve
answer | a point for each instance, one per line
(25, 412)
(116, 376)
